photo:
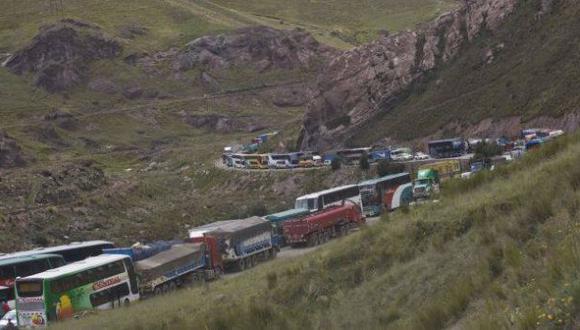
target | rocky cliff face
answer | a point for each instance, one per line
(59, 55)
(369, 79)
(263, 47)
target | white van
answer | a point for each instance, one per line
(279, 161)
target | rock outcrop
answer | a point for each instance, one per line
(262, 47)
(59, 55)
(369, 79)
(66, 184)
(222, 124)
(10, 152)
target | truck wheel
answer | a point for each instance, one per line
(328, 235)
(254, 260)
(241, 265)
(274, 252)
(165, 288)
(172, 286)
(312, 240)
(126, 302)
(157, 291)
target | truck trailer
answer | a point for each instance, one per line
(163, 268)
(241, 243)
(321, 226)
(278, 219)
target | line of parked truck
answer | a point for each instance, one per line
(52, 284)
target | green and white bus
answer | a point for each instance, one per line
(103, 282)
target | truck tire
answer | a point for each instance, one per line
(274, 253)
(172, 286)
(312, 240)
(241, 265)
(157, 291)
(165, 288)
(254, 260)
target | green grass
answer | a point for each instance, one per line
(502, 252)
(352, 22)
(534, 74)
(168, 24)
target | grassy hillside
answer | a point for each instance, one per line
(352, 22)
(534, 72)
(501, 250)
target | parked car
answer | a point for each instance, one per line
(421, 156)
(317, 160)
(402, 154)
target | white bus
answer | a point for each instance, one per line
(322, 199)
(70, 252)
(103, 282)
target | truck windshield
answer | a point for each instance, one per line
(29, 288)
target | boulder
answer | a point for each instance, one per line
(261, 47)
(59, 54)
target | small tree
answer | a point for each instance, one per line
(484, 151)
(335, 164)
(386, 167)
(364, 162)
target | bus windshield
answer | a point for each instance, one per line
(308, 204)
(29, 288)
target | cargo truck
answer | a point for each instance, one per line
(321, 226)
(445, 168)
(241, 243)
(163, 267)
(278, 219)
(426, 184)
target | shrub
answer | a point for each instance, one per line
(386, 167)
(336, 164)
(484, 151)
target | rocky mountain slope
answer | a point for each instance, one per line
(59, 56)
(370, 79)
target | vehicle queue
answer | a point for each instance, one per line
(248, 157)
(45, 285)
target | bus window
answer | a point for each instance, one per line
(56, 262)
(30, 268)
(109, 295)
(7, 272)
(29, 288)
